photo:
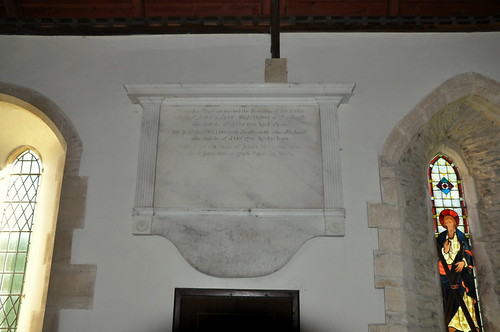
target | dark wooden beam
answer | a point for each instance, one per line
(11, 8)
(275, 29)
(393, 8)
(207, 25)
(139, 8)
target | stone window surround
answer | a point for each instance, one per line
(62, 293)
(389, 218)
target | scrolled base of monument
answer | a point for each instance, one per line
(243, 243)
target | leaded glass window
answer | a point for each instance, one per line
(445, 185)
(18, 196)
(455, 254)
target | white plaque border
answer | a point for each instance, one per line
(154, 97)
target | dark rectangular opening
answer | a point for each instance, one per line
(224, 310)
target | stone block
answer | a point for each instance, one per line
(74, 187)
(387, 172)
(383, 215)
(72, 287)
(51, 319)
(387, 328)
(395, 299)
(389, 190)
(72, 203)
(396, 318)
(381, 282)
(413, 121)
(276, 71)
(459, 87)
(487, 88)
(395, 144)
(62, 247)
(389, 239)
(388, 265)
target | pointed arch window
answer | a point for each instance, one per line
(19, 186)
(455, 255)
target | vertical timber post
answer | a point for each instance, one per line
(275, 29)
(276, 68)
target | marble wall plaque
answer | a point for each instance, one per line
(239, 176)
(239, 156)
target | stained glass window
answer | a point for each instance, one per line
(446, 191)
(455, 254)
(18, 196)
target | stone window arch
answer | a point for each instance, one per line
(26, 115)
(462, 119)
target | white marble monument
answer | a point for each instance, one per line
(239, 176)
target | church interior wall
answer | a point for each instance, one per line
(135, 276)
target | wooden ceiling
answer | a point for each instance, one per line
(95, 17)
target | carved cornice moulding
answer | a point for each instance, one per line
(239, 90)
(239, 176)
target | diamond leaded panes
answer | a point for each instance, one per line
(18, 196)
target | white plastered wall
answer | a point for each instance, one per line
(136, 275)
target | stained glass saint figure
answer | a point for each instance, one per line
(457, 275)
(455, 259)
